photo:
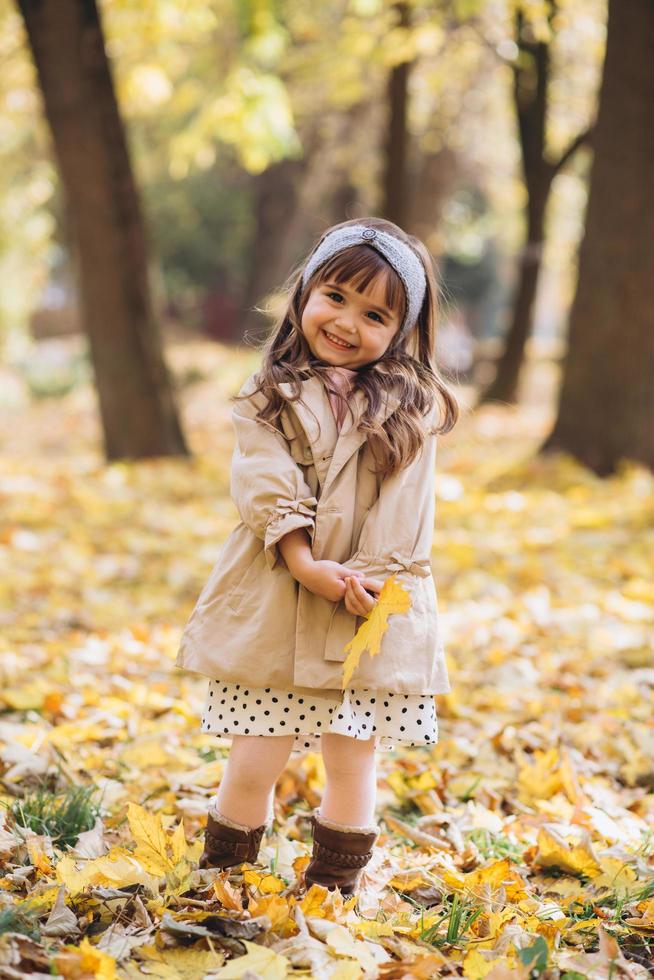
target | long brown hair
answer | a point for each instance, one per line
(408, 366)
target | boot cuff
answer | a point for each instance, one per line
(346, 828)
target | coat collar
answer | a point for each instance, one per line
(332, 450)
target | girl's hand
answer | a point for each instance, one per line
(326, 578)
(358, 601)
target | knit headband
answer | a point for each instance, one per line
(398, 255)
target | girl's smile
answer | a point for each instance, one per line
(347, 328)
(343, 344)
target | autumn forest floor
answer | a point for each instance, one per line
(521, 845)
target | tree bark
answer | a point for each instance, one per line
(136, 402)
(395, 191)
(504, 386)
(530, 83)
(606, 406)
(295, 201)
(275, 199)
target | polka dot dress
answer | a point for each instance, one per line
(235, 709)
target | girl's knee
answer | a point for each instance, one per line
(346, 756)
(258, 761)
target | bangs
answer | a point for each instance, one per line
(359, 266)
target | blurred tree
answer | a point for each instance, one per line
(531, 79)
(275, 203)
(607, 396)
(395, 190)
(135, 396)
(215, 94)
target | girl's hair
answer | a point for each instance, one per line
(408, 366)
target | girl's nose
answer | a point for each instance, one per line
(345, 321)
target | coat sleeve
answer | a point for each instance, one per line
(267, 485)
(397, 533)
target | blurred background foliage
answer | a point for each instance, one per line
(252, 125)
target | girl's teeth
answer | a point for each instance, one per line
(340, 343)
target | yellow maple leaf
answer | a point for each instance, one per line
(312, 903)
(266, 883)
(393, 599)
(153, 844)
(485, 882)
(555, 852)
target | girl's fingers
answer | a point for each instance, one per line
(361, 585)
(359, 597)
(352, 601)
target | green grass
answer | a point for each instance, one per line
(451, 928)
(14, 920)
(61, 816)
(494, 846)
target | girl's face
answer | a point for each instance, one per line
(346, 328)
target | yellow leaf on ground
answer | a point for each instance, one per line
(555, 852)
(476, 966)
(38, 857)
(85, 961)
(266, 883)
(301, 863)
(178, 964)
(615, 876)
(543, 778)
(116, 869)
(371, 928)
(393, 599)
(227, 895)
(276, 907)
(156, 851)
(259, 961)
(312, 903)
(346, 970)
(483, 882)
(178, 843)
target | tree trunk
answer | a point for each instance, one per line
(504, 386)
(395, 203)
(135, 397)
(606, 407)
(275, 198)
(295, 201)
(530, 81)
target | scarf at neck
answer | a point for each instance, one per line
(340, 378)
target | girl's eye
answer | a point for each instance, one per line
(338, 296)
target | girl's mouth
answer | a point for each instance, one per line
(335, 342)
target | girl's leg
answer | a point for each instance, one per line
(246, 791)
(351, 790)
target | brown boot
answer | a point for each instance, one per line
(339, 854)
(227, 843)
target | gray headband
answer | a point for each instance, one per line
(402, 258)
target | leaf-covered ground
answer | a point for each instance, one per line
(521, 845)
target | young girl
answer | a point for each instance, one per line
(333, 478)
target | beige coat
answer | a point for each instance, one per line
(253, 622)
